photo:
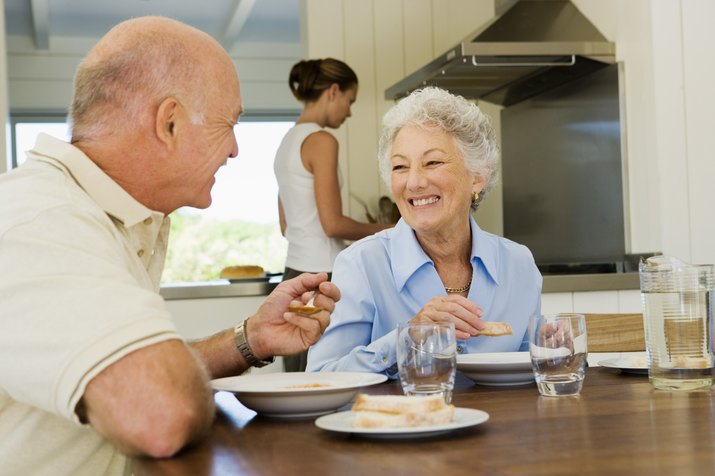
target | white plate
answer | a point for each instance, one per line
(343, 422)
(497, 368)
(636, 364)
(289, 395)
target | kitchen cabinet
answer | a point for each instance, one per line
(196, 318)
(597, 302)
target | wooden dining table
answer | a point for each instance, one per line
(619, 424)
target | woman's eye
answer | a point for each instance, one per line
(396, 168)
(432, 163)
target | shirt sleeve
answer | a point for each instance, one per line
(348, 344)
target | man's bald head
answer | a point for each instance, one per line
(136, 65)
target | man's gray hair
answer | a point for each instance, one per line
(114, 87)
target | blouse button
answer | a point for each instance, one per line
(140, 253)
(148, 221)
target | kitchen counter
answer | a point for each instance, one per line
(552, 284)
(219, 288)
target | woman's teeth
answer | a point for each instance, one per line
(424, 201)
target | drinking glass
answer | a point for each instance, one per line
(678, 317)
(558, 349)
(427, 358)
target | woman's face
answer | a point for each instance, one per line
(431, 184)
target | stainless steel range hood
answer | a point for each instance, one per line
(533, 46)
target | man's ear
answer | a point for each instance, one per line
(166, 121)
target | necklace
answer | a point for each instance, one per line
(463, 289)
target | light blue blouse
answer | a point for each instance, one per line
(387, 278)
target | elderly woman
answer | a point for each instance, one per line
(438, 153)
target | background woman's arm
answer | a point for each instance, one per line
(320, 157)
(281, 217)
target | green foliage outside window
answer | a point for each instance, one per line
(200, 247)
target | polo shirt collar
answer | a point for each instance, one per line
(112, 198)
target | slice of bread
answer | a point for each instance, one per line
(242, 272)
(394, 411)
(398, 403)
(368, 419)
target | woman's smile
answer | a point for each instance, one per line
(421, 202)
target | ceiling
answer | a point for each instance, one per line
(229, 21)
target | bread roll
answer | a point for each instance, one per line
(242, 272)
(395, 411)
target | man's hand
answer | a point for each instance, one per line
(274, 330)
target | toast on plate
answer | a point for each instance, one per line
(395, 411)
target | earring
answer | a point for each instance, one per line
(475, 200)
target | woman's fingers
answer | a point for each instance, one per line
(464, 314)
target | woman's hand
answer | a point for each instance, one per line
(554, 335)
(465, 314)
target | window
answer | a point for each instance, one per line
(25, 130)
(241, 225)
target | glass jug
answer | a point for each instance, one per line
(677, 303)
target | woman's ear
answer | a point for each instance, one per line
(333, 91)
(478, 183)
(166, 120)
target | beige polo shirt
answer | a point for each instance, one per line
(80, 264)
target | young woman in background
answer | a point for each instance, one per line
(306, 167)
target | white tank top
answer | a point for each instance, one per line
(309, 248)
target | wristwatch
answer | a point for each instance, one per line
(245, 349)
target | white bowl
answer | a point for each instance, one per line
(296, 394)
(497, 368)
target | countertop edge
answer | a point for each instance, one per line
(552, 284)
(217, 289)
(590, 282)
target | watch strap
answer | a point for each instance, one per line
(245, 349)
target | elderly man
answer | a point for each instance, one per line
(91, 365)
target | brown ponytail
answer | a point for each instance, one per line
(309, 78)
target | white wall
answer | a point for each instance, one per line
(198, 318)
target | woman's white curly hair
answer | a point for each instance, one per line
(463, 120)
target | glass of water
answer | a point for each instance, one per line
(558, 349)
(427, 358)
